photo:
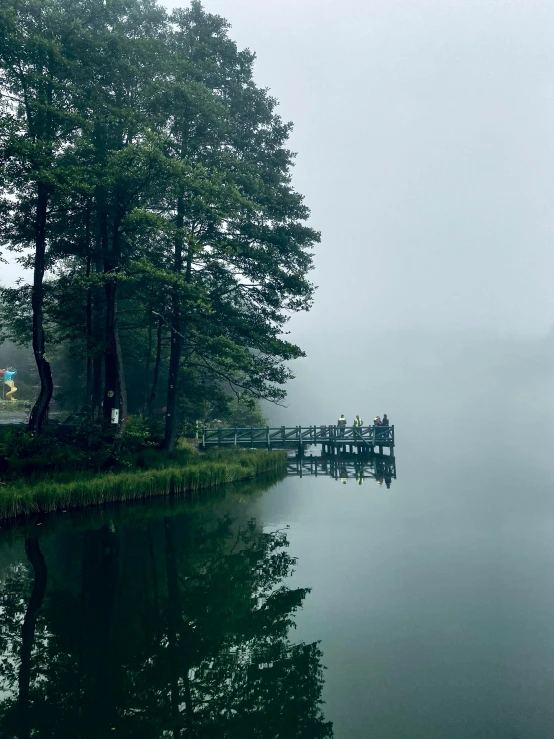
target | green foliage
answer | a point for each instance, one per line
(84, 445)
(244, 412)
(170, 221)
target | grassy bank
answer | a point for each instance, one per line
(200, 471)
(133, 513)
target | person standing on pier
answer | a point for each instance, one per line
(358, 423)
(341, 423)
(385, 421)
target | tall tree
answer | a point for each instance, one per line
(168, 213)
(121, 46)
(39, 124)
(239, 233)
(36, 560)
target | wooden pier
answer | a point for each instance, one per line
(345, 467)
(332, 439)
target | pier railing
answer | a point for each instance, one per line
(283, 436)
(377, 467)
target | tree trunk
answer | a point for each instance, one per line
(39, 413)
(173, 627)
(97, 371)
(102, 677)
(121, 383)
(98, 327)
(147, 364)
(171, 425)
(90, 344)
(155, 584)
(34, 555)
(181, 636)
(111, 380)
(156, 377)
(115, 392)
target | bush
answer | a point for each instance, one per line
(78, 446)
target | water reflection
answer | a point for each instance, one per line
(346, 468)
(173, 626)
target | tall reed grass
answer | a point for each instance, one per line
(201, 472)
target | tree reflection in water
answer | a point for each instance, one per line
(175, 628)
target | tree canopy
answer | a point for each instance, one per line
(146, 179)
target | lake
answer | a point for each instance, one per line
(300, 607)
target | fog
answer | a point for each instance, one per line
(426, 154)
(447, 392)
(425, 151)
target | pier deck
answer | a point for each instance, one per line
(332, 439)
(352, 467)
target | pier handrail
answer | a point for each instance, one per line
(285, 435)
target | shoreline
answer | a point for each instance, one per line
(18, 499)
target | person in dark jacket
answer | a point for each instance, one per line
(385, 421)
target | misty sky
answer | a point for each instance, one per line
(425, 139)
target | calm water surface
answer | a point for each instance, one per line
(423, 611)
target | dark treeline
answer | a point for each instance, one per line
(146, 182)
